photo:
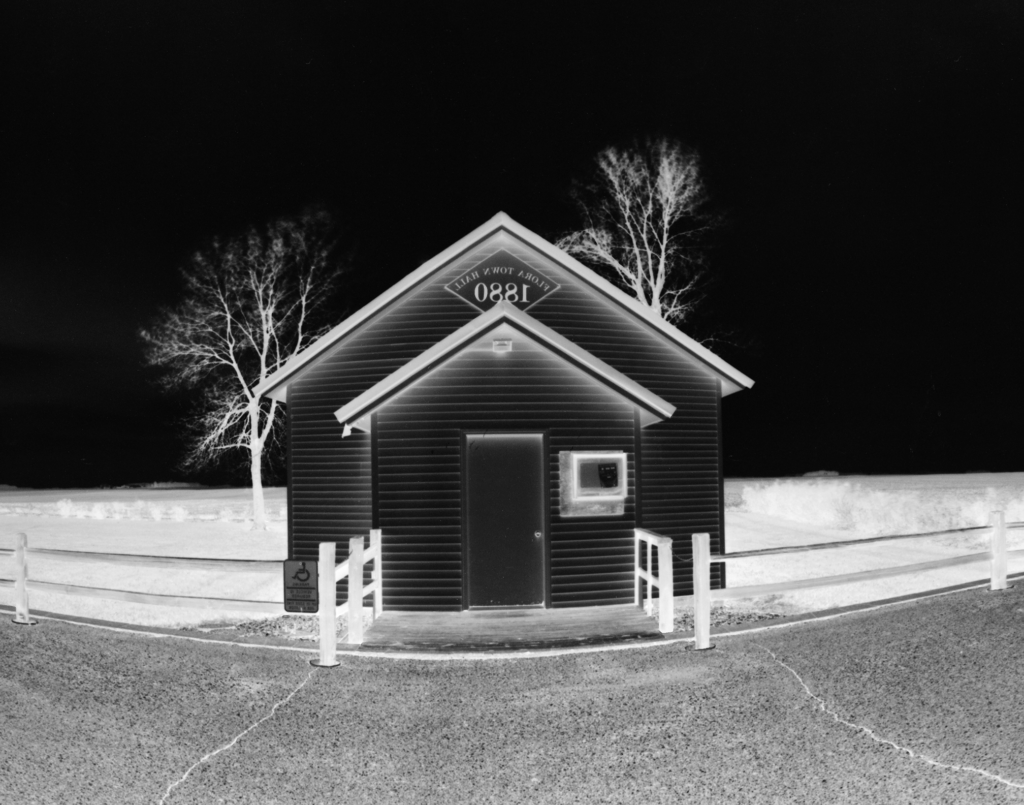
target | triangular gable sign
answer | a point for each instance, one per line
(502, 277)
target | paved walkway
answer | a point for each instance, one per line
(894, 705)
(509, 630)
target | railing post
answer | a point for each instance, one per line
(998, 522)
(326, 589)
(21, 613)
(702, 591)
(636, 567)
(355, 590)
(665, 592)
(649, 606)
(378, 572)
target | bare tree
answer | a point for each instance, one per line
(251, 303)
(645, 220)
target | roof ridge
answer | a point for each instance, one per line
(497, 222)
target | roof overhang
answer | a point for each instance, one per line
(276, 385)
(355, 415)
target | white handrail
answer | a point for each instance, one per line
(663, 581)
(352, 569)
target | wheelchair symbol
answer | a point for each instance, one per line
(302, 575)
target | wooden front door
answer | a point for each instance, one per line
(504, 519)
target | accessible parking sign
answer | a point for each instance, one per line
(300, 590)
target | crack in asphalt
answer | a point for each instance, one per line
(250, 728)
(875, 737)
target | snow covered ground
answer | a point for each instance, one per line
(769, 513)
(873, 505)
(157, 503)
(761, 513)
(197, 523)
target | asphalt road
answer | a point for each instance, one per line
(88, 715)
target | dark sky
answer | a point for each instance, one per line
(866, 158)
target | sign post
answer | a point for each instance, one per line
(300, 592)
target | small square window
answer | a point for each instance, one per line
(592, 483)
(599, 476)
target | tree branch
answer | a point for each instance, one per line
(250, 304)
(644, 225)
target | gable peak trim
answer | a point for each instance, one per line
(276, 385)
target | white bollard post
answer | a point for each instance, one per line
(702, 592)
(378, 572)
(328, 607)
(666, 592)
(21, 613)
(998, 523)
(355, 591)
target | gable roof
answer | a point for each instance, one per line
(355, 414)
(275, 386)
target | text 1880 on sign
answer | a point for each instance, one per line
(502, 280)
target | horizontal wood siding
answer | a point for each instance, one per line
(330, 476)
(330, 490)
(681, 483)
(681, 492)
(420, 484)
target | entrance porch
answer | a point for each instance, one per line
(508, 629)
